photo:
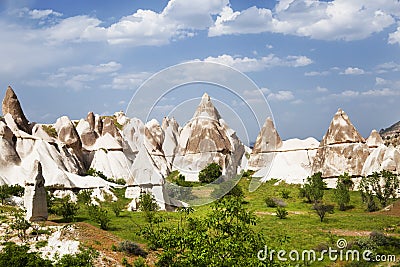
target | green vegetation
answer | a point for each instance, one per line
(149, 206)
(381, 186)
(96, 173)
(313, 190)
(50, 130)
(342, 191)
(7, 191)
(210, 173)
(65, 208)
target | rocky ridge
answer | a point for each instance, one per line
(143, 154)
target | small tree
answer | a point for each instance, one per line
(85, 196)
(382, 185)
(210, 173)
(148, 205)
(313, 190)
(117, 207)
(4, 193)
(21, 225)
(342, 191)
(100, 216)
(322, 209)
(67, 209)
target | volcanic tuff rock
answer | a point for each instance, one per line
(290, 160)
(205, 139)
(268, 141)
(342, 149)
(35, 198)
(171, 136)
(382, 158)
(12, 106)
(374, 140)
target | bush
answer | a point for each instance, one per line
(85, 196)
(379, 238)
(322, 209)
(139, 262)
(210, 173)
(66, 209)
(285, 194)
(7, 191)
(100, 216)
(84, 258)
(131, 248)
(148, 205)
(19, 256)
(342, 191)
(313, 190)
(117, 207)
(281, 212)
(383, 185)
(270, 202)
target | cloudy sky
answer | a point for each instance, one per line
(308, 57)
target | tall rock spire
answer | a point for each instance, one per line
(12, 106)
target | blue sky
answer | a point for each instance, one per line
(308, 57)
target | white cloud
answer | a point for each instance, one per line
(129, 81)
(281, 96)
(255, 93)
(317, 73)
(247, 64)
(324, 20)
(43, 13)
(322, 89)
(388, 66)
(353, 71)
(381, 92)
(394, 37)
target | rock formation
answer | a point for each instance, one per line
(289, 160)
(206, 139)
(171, 136)
(342, 149)
(12, 106)
(374, 140)
(35, 201)
(382, 158)
(268, 141)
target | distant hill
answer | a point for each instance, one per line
(391, 135)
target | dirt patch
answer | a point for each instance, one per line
(393, 210)
(341, 232)
(102, 241)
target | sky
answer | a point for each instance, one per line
(306, 57)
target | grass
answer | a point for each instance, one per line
(301, 229)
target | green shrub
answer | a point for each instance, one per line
(313, 190)
(67, 209)
(139, 262)
(210, 173)
(285, 194)
(131, 248)
(84, 258)
(322, 209)
(270, 202)
(19, 256)
(281, 212)
(100, 216)
(148, 205)
(50, 130)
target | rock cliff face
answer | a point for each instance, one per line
(205, 139)
(342, 149)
